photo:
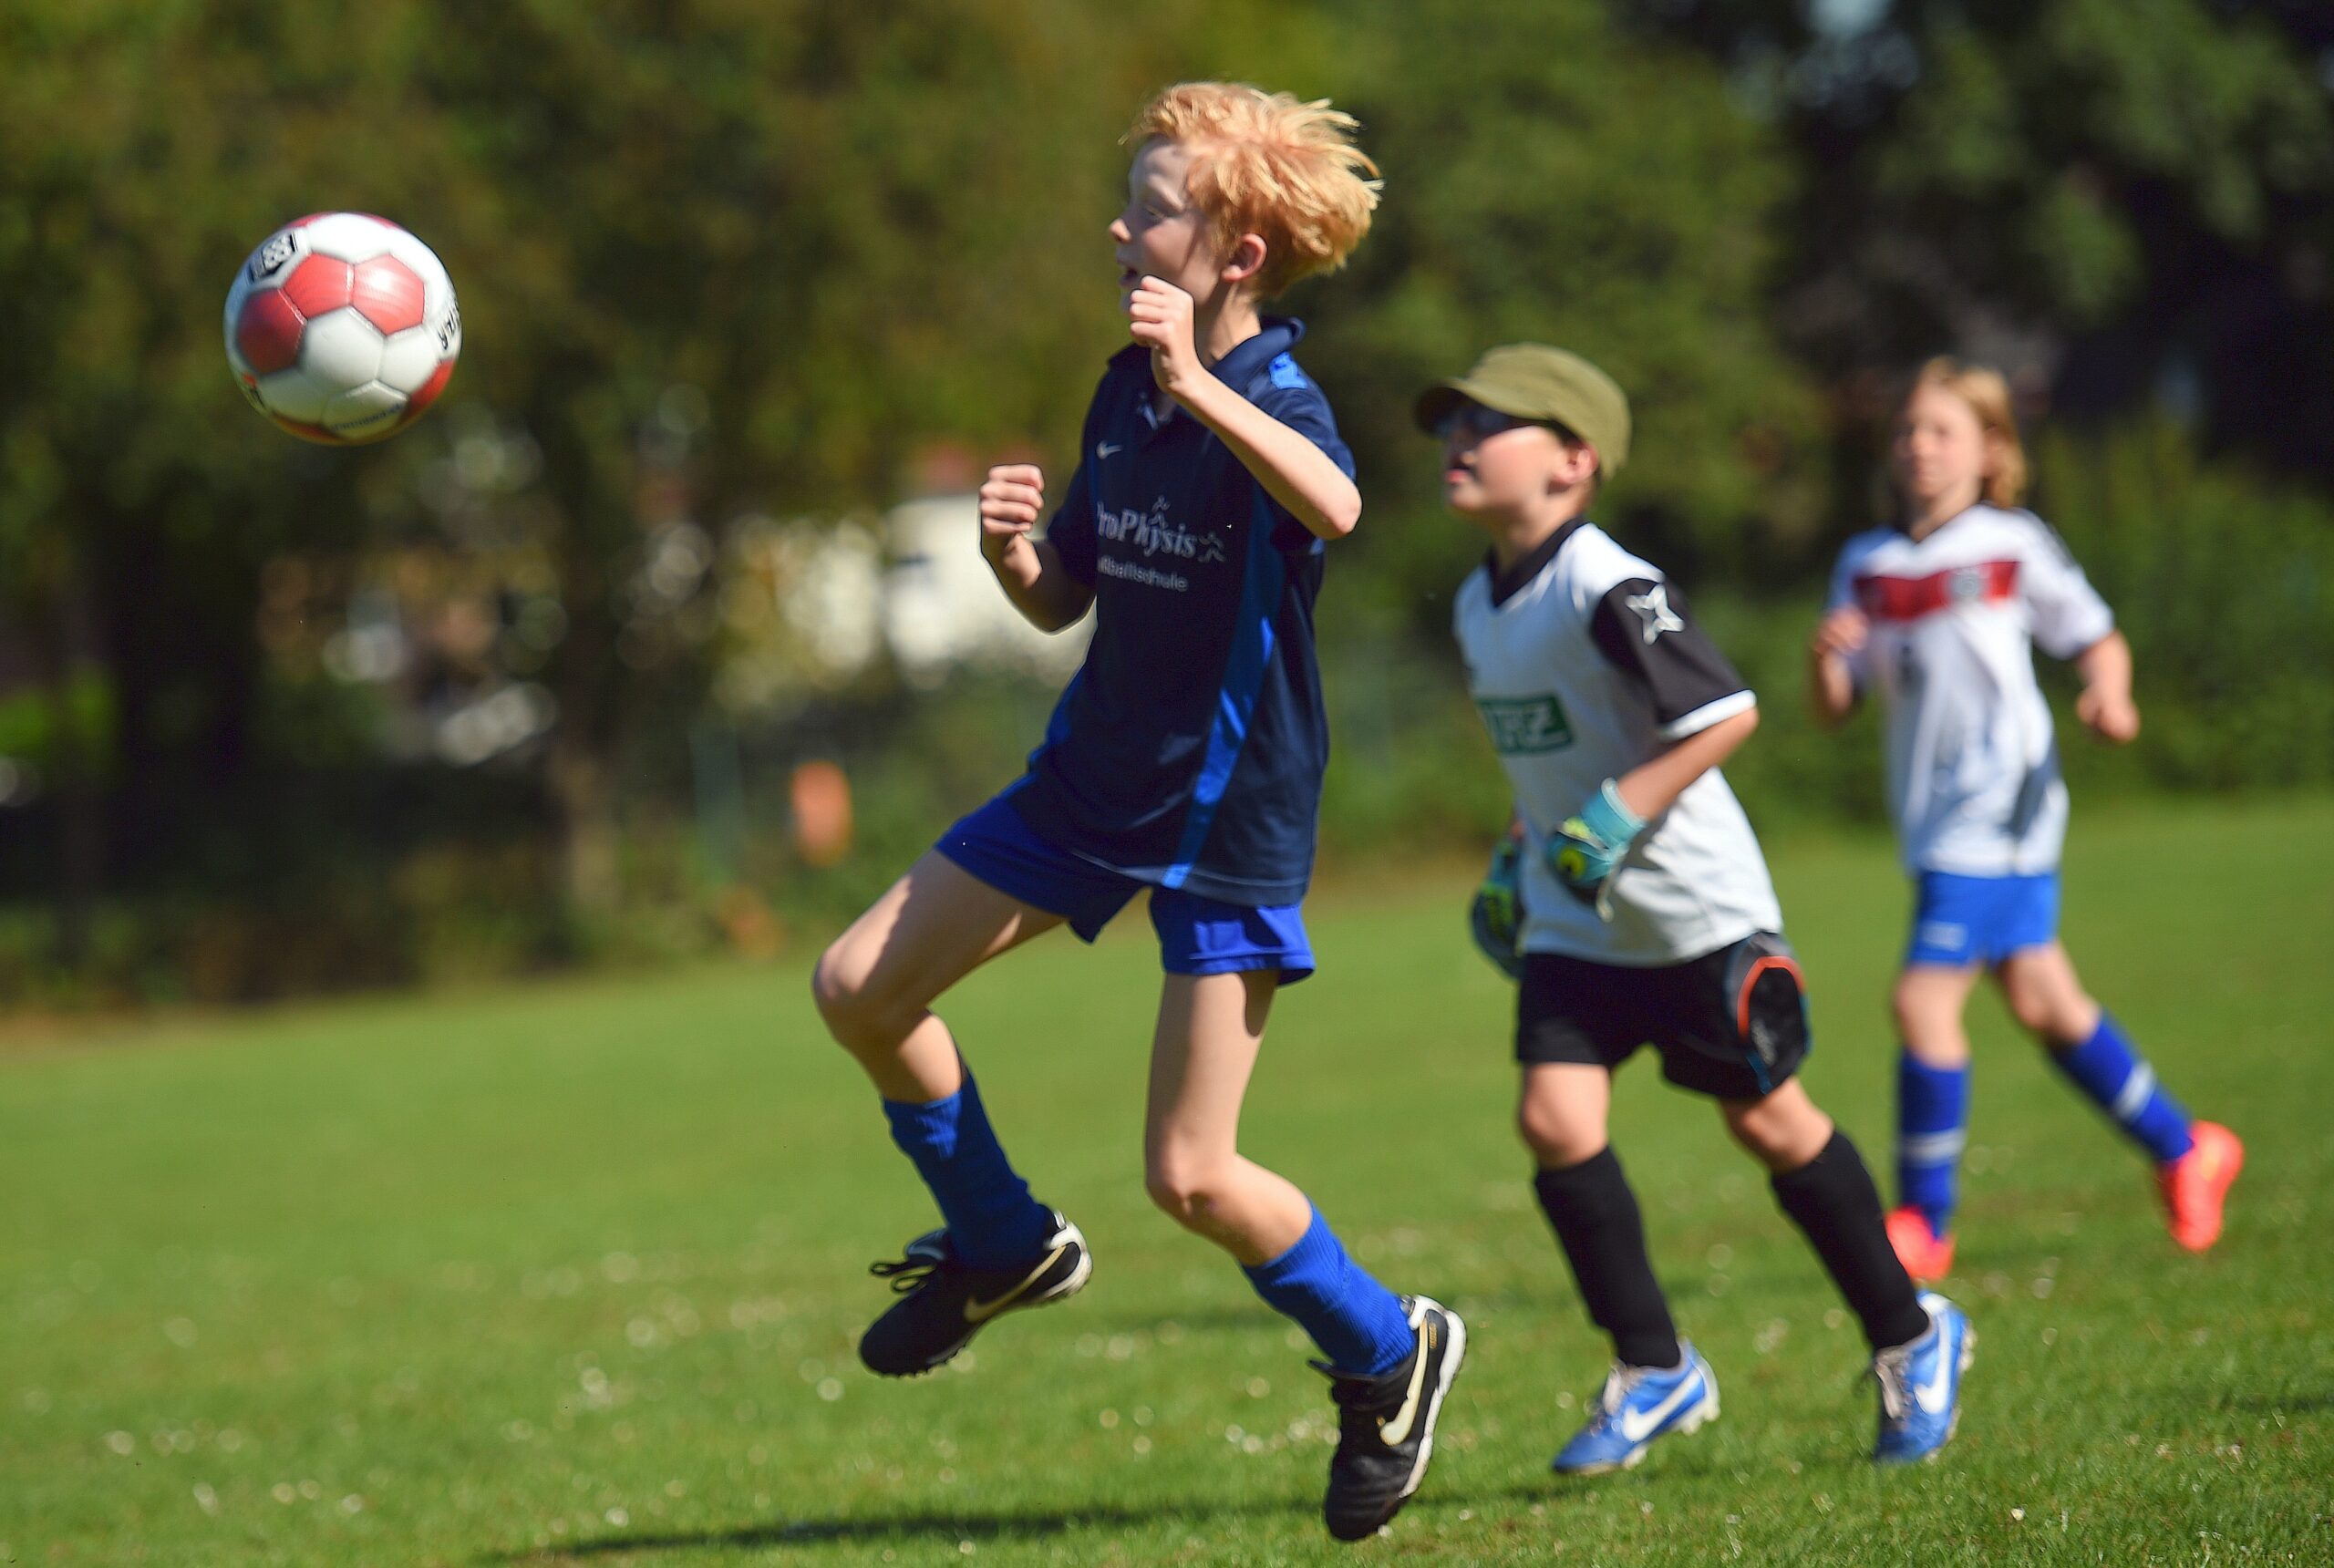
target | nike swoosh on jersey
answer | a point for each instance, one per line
(1398, 1429)
(1932, 1395)
(1639, 1427)
(1105, 448)
(982, 1311)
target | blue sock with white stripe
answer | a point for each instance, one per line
(990, 1216)
(1357, 1321)
(2120, 1081)
(1932, 1126)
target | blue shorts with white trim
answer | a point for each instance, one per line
(1961, 922)
(1196, 935)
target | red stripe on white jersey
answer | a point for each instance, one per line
(1900, 599)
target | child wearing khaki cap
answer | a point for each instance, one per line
(1632, 905)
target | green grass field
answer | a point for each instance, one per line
(573, 1274)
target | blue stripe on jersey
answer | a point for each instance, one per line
(1243, 678)
(1058, 722)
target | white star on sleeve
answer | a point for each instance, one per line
(1653, 608)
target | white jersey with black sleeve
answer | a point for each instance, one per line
(1954, 618)
(1585, 662)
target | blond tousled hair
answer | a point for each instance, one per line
(1987, 393)
(1272, 165)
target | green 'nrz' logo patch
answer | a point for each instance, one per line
(1526, 726)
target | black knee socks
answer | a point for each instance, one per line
(1831, 1198)
(1597, 1221)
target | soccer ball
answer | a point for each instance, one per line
(342, 328)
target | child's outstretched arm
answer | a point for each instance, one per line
(1653, 786)
(1029, 569)
(1831, 678)
(2105, 703)
(1298, 474)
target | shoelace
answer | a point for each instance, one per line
(911, 1272)
(1892, 1369)
(1346, 1390)
(1618, 1384)
(1358, 1400)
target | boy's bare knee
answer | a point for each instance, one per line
(1755, 1132)
(1186, 1188)
(833, 985)
(2057, 1014)
(1905, 1011)
(1172, 1199)
(2035, 1010)
(1782, 1132)
(855, 1012)
(1555, 1138)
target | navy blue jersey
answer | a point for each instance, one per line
(1189, 750)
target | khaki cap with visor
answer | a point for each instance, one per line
(1534, 381)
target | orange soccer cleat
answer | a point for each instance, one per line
(2195, 1186)
(1924, 1254)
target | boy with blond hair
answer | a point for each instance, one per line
(1185, 760)
(1632, 904)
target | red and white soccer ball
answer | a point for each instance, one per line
(342, 328)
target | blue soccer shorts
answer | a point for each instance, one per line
(1196, 935)
(1962, 921)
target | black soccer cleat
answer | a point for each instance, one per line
(944, 1301)
(1386, 1424)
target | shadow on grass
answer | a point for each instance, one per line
(945, 1527)
(1242, 1318)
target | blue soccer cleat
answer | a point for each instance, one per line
(1638, 1405)
(1920, 1386)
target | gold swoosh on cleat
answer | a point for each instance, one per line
(982, 1311)
(1392, 1432)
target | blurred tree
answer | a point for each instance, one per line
(721, 258)
(728, 254)
(2126, 202)
(1550, 177)
(130, 520)
(712, 256)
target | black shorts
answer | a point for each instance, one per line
(1732, 1024)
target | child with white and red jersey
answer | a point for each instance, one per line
(1940, 612)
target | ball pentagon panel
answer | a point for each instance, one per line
(267, 335)
(295, 394)
(341, 349)
(386, 293)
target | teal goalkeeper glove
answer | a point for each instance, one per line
(1496, 917)
(1585, 850)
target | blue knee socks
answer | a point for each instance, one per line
(1357, 1321)
(1932, 1126)
(994, 1222)
(2120, 1082)
(991, 1217)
